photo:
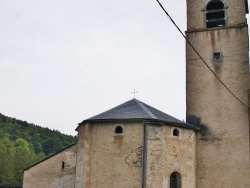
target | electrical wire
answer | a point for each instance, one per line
(200, 55)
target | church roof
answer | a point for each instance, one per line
(137, 110)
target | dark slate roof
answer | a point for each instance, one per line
(137, 110)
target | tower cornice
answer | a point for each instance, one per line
(241, 25)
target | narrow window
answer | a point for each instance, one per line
(217, 61)
(215, 14)
(175, 180)
(63, 165)
(176, 132)
(217, 56)
(118, 129)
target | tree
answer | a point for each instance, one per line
(24, 157)
(7, 154)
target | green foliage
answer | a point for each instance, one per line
(7, 156)
(23, 144)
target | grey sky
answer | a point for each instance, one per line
(63, 61)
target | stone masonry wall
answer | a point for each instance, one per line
(167, 154)
(110, 160)
(50, 172)
(223, 142)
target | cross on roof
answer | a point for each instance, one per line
(134, 92)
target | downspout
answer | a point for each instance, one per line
(248, 92)
(144, 149)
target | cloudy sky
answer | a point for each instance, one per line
(63, 61)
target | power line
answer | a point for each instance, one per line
(200, 55)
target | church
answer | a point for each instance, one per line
(134, 145)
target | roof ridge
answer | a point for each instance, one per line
(111, 109)
(145, 109)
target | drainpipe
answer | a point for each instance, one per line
(248, 92)
(144, 150)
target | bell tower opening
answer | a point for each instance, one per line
(215, 14)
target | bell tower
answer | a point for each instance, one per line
(219, 32)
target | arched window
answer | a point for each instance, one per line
(176, 132)
(119, 129)
(215, 14)
(175, 180)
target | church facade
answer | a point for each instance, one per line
(135, 145)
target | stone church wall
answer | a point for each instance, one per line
(224, 120)
(223, 142)
(166, 154)
(57, 171)
(107, 159)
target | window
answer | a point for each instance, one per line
(175, 180)
(63, 165)
(118, 130)
(176, 132)
(215, 14)
(217, 56)
(217, 60)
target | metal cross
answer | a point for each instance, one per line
(134, 92)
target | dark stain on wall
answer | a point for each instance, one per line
(118, 142)
(204, 132)
(213, 39)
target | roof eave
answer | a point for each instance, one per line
(181, 125)
(107, 121)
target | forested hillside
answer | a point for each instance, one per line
(23, 144)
